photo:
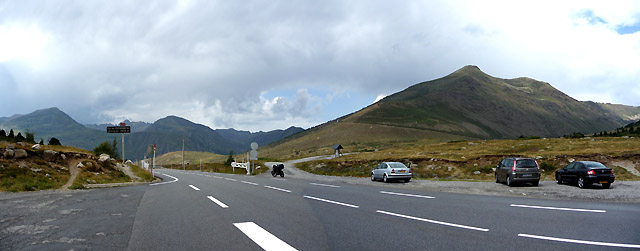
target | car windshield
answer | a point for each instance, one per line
(526, 163)
(594, 164)
(397, 165)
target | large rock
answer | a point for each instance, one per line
(50, 155)
(36, 147)
(11, 146)
(8, 154)
(20, 153)
(104, 157)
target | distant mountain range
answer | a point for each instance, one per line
(464, 105)
(166, 133)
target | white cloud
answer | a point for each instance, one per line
(214, 62)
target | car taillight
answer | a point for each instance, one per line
(513, 168)
(611, 171)
(537, 166)
(409, 170)
(393, 170)
(591, 172)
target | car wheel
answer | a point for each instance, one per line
(406, 180)
(606, 186)
(559, 178)
(282, 174)
(373, 177)
(385, 179)
(273, 173)
(581, 183)
(509, 181)
(497, 181)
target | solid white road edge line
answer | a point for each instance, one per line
(263, 238)
(323, 185)
(250, 183)
(222, 205)
(279, 189)
(560, 208)
(330, 201)
(409, 195)
(230, 179)
(167, 182)
(434, 221)
(194, 187)
(579, 241)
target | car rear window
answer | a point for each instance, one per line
(523, 163)
(397, 165)
(594, 164)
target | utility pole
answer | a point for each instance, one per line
(183, 168)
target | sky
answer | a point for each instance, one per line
(265, 65)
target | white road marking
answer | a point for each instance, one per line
(250, 183)
(206, 175)
(330, 201)
(409, 195)
(434, 221)
(580, 241)
(217, 177)
(217, 202)
(561, 208)
(194, 187)
(323, 185)
(167, 182)
(279, 189)
(263, 238)
(230, 179)
(281, 179)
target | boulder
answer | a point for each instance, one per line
(8, 154)
(36, 147)
(50, 155)
(476, 172)
(11, 146)
(64, 157)
(22, 144)
(20, 153)
(104, 157)
(80, 165)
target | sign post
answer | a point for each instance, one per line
(123, 128)
(253, 155)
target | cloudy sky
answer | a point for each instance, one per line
(263, 65)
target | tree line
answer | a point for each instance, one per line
(28, 137)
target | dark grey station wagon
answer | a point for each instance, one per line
(518, 170)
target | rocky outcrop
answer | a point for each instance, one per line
(36, 147)
(50, 155)
(20, 154)
(8, 154)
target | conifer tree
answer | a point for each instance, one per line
(11, 135)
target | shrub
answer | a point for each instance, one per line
(105, 148)
(54, 142)
(547, 167)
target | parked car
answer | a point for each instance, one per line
(586, 172)
(388, 171)
(518, 170)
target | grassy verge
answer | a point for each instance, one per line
(33, 177)
(140, 172)
(221, 168)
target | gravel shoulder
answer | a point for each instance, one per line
(620, 191)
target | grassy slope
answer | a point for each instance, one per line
(465, 157)
(175, 158)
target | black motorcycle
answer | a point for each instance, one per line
(277, 170)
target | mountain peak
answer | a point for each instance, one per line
(468, 69)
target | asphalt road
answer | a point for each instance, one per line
(205, 211)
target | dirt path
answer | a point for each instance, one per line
(627, 165)
(74, 170)
(127, 170)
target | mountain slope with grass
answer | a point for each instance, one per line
(466, 104)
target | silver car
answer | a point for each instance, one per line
(388, 171)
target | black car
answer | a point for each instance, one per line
(518, 170)
(585, 173)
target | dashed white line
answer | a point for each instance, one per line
(330, 201)
(217, 177)
(596, 243)
(167, 182)
(263, 238)
(433, 221)
(222, 205)
(250, 183)
(279, 189)
(323, 185)
(561, 208)
(409, 195)
(206, 175)
(230, 179)
(280, 179)
(194, 187)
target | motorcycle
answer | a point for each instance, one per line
(277, 170)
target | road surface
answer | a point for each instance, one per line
(192, 210)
